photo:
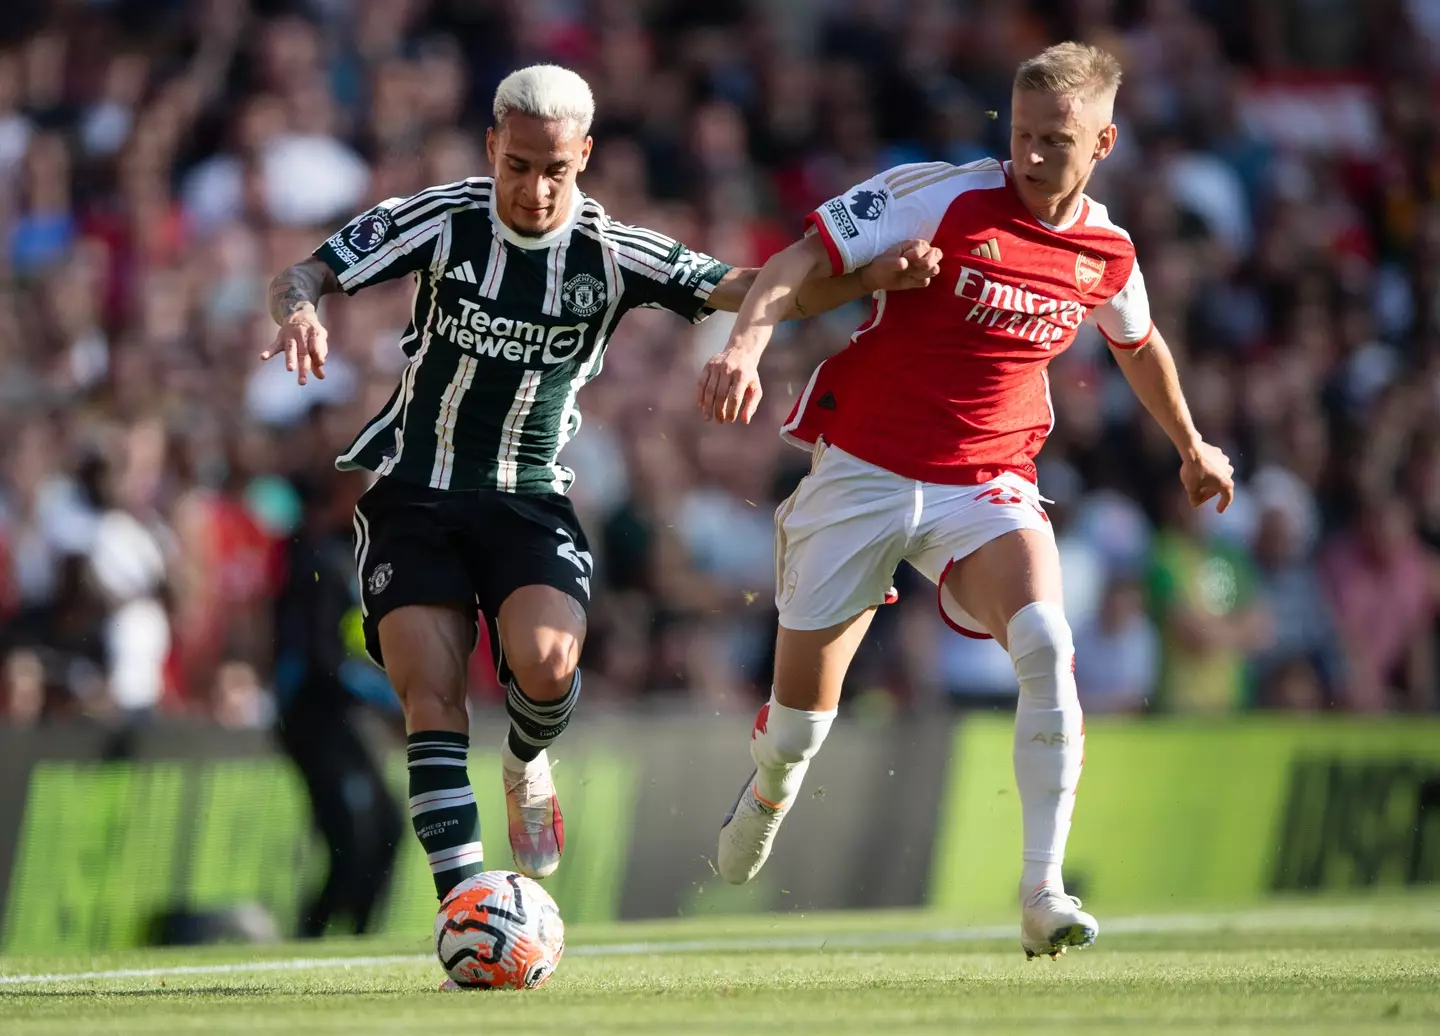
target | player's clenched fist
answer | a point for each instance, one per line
(302, 339)
(730, 386)
(910, 264)
(1206, 473)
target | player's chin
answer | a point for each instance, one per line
(531, 222)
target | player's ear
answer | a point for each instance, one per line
(1106, 143)
(585, 153)
(492, 147)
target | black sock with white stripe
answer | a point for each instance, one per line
(534, 724)
(442, 807)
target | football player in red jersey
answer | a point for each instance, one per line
(924, 430)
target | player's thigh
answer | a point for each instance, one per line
(537, 568)
(838, 539)
(810, 665)
(417, 599)
(991, 551)
(1009, 572)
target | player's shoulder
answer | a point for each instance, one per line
(440, 201)
(940, 180)
(594, 221)
(1096, 223)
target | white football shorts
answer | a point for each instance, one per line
(842, 533)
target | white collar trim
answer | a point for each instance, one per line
(545, 240)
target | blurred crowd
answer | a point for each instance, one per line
(1278, 168)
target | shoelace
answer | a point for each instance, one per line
(1045, 891)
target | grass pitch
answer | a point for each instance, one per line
(1351, 969)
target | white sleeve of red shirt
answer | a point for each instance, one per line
(1124, 320)
(888, 208)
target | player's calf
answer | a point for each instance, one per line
(1049, 747)
(782, 743)
(425, 650)
(442, 806)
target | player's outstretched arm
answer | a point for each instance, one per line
(1204, 469)
(293, 295)
(729, 386)
(909, 264)
(796, 282)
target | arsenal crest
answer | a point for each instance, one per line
(1088, 271)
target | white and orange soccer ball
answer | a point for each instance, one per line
(499, 930)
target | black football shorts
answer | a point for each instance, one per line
(467, 549)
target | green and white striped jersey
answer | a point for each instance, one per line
(505, 330)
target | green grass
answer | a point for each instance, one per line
(1349, 968)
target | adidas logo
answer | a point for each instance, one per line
(464, 272)
(988, 250)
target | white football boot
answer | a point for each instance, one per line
(747, 836)
(1051, 922)
(537, 828)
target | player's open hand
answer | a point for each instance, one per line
(910, 264)
(1206, 473)
(729, 387)
(302, 339)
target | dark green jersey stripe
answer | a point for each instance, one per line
(505, 330)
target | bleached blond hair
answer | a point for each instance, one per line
(546, 92)
(1071, 68)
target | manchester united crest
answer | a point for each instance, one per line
(1089, 268)
(583, 294)
(380, 577)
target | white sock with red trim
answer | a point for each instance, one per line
(1049, 737)
(782, 744)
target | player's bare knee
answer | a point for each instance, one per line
(545, 669)
(1041, 647)
(433, 704)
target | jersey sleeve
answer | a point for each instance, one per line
(666, 274)
(394, 238)
(886, 209)
(1124, 319)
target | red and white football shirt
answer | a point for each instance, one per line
(948, 383)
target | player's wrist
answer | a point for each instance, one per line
(748, 344)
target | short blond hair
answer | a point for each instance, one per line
(1071, 68)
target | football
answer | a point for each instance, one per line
(499, 930)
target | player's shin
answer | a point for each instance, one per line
(782, 744)
(1049, 737)
(442, 807)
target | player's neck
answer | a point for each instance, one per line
(1062, 211)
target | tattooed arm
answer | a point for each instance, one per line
(302, 338)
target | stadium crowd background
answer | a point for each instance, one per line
(160, 160)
